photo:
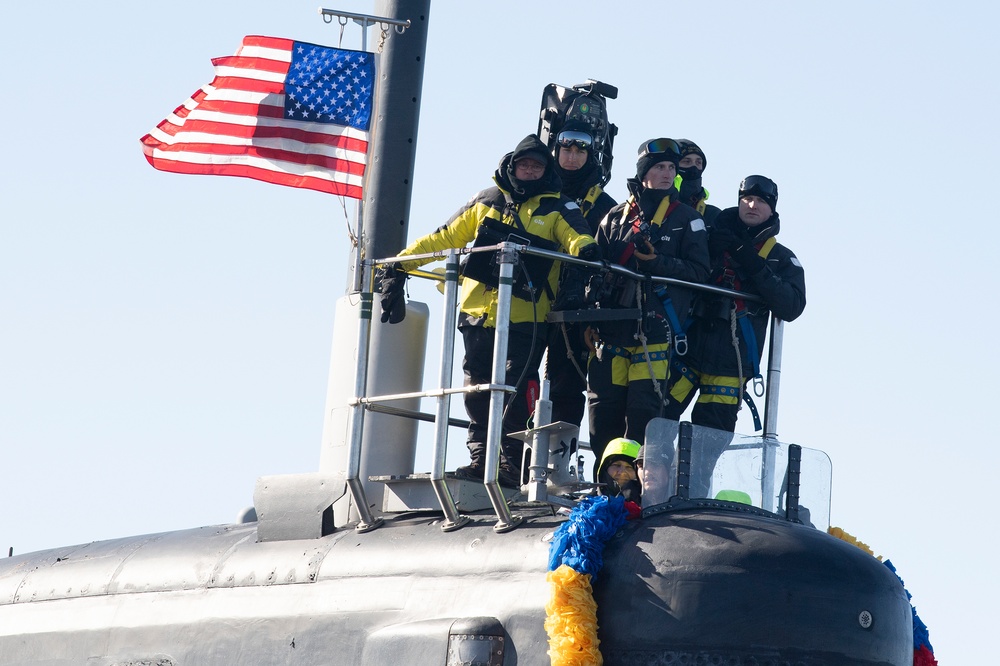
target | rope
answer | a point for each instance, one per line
(569, 353)
(739, 357)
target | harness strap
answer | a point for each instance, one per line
(652, 356)
(586, 204)
(687, 372)
(751, 339)
(680, 345)
(636, 357)
(615, 350)
(695, 380)
(733, 391)
(662, 213)
(753, 411)
(711, 389)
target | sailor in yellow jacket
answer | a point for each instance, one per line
(526, 196)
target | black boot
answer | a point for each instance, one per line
(511, 474)
(474, 470)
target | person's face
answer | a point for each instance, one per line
(622, 472)
(692, 160)
(660, 176)
(754, 210)
(572, 158)
(654, 480)
(528, 169)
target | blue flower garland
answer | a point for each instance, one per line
(576, 555)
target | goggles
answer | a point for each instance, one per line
(658, 146)
(571, 138)
(759, 185)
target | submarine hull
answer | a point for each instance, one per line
(701, 586)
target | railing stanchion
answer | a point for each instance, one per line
(367, 521)
(453, 520)
(498, 390)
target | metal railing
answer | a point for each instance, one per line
(507, 255)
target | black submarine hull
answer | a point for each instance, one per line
(707, 586)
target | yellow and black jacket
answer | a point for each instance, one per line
(547, 215)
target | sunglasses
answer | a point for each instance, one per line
(657, 146)
(571, 138)
(759, 185)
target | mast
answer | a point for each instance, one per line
(356, 443)
(389, 181)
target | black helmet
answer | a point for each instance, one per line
(760, 186)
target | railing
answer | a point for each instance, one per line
(507, 255)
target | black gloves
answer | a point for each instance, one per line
(571, 288)
(392, 280)
(749, 260)
(720, 240)
(590, 252)
(648, 265)
(739, 245)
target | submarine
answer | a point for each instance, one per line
(367, 562)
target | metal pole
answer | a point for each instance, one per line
(540, 441)
(773, 378)
(452, 518)
(367, 522)
(393, 149)
(770, 444)
(505, 522)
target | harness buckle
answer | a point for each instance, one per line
(758, 386)
(681, 344)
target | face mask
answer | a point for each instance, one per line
(691, 185)
(690, 173)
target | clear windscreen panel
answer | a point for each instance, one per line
(737, 468)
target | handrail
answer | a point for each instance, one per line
(507, 253)
(570, 259)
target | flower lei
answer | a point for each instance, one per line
(575, 557)
(923, 652)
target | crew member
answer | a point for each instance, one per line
(566, 360)
(617, 472)
(726, 336)
(689, 171)
(654, 234)
(526, 198)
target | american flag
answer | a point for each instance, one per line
(280, 111)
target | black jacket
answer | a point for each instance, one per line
(680, 240)
(584, 187)
(780, 282)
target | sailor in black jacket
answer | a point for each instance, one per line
(566, 361)
(655, 234)
(689, 171)
(726, 336)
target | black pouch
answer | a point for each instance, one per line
(485, 266)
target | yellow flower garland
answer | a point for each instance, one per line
(571, 621)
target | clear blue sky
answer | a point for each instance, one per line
(165, 339)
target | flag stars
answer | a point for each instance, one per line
(324, 85)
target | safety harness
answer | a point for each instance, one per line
(586, 204)
(739, 316)
(676, 332)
